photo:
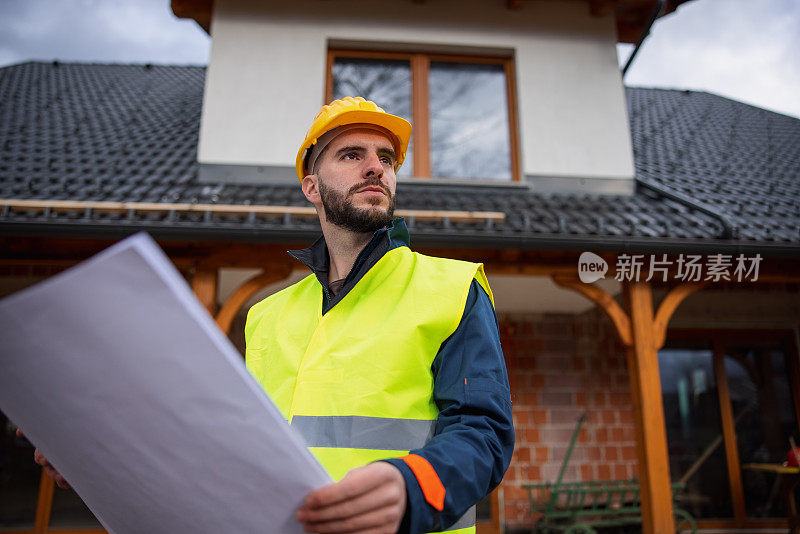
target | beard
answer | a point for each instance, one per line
(339, 208)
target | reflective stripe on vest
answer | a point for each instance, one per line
(360, 432)
(357, 382)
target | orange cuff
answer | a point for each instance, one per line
(432, 487)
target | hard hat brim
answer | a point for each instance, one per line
(397, 126)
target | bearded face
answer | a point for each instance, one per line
(341, 210)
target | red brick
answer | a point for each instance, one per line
(600, 399)
(628, 452)
(525, 363)
(583, 437)
(532, 435)
(593, 453)
(612, 453)
(564, 380)
(559, 346)
(626, 416)
(603, 472)
(522, 454)
(556, 398)
(565, 415)
(550, 363)
(601, 435)
(556, 436)
(581, 399)
(532, 473)
(587, 472)
(529, 398)
(619, 399)
(538, 380)
(541, 453)
(620, 471)
(618, 434)
(609, 417)
(521, 418)
(539, 417)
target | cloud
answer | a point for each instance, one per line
(100, 31)
(741, 49)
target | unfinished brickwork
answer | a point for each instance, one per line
(561, 366)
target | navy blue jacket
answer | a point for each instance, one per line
(474, 438)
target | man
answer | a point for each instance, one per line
(382, 353)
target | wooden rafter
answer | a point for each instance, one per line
(229, 209)
(606, 302)
(668, 306)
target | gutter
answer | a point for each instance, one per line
(729, 229)
(645, 33)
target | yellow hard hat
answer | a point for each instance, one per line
(354, 110)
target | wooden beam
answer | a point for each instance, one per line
(668, 307)
(514, 4)
(654, 479)
(245, 291)
(229, 209)
(204, 285)
(420, 97)
(729, 431)
(601, 8)
(198, 10)
(604, 300)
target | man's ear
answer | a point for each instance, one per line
(311, 188)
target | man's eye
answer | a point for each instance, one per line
(350, 155)
(387, 160)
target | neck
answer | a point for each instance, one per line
(344, 246)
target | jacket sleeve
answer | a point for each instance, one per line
(474, 438)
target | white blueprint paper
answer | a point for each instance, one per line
(121, 378)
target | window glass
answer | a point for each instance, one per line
(386, 82)
(694, 431)
(761, 398)
(469, 121)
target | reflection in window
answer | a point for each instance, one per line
(386, 82)
(469, 121)
(760, 391)
(694, 432)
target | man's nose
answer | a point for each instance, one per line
(373, 166)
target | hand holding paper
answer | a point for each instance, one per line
(122, 380)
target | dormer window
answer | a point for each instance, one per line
(461, 108)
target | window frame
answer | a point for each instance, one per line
(420, 67)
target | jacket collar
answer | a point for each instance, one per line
(316, 258)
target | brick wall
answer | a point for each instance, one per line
(561, 366)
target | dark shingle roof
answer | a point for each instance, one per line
(129, 133)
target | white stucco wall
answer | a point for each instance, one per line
(266, 77)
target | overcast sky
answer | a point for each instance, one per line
(748, 50)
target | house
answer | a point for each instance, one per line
(684, 359)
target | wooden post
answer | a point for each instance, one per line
(204, 285)
(644, 333)
(651, 448)
(44, 504)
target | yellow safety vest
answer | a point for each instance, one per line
(357, 382)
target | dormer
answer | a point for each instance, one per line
(518, 92)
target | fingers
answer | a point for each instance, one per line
(385, 519)
(379, 497)
(20, 434)
(60, 481)
(371, 498)
(356, 482)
